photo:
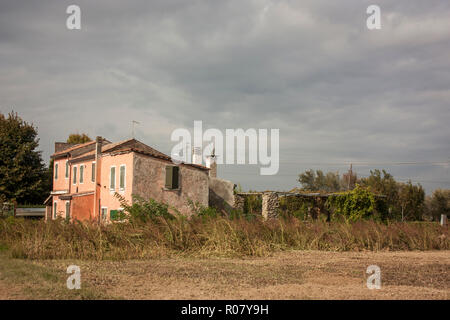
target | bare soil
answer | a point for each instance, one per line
(285, 275)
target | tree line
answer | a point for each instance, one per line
(405, 201)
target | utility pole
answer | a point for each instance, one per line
(349, 177)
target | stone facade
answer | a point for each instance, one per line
(149, 182)
(239, 202)
(270, 205)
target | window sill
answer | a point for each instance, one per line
(166, 189)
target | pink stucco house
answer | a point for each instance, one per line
(86, 177)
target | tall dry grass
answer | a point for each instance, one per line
(210, 237)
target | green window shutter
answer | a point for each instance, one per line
(56, 171)
(114, 214)
(169, 173)
(67, 169)
(171, 177)
(74, 175)
(81, 173)
(54, 210)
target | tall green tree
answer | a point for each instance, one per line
(411, 201)
(77, 138)
(318, 181)
(383, 183)
(23, 175)
(439, 203)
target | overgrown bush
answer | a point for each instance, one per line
(352, 205)
(141, 210)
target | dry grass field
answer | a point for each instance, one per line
(283, 275)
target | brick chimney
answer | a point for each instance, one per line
(211, 163)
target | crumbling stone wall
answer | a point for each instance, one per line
(270, 205)
(239, 202)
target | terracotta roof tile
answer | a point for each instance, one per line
(73, 148)
(133, 145)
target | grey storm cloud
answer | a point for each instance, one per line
(338, 92)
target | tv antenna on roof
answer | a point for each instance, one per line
(133, 122)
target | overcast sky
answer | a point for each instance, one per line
(338, 92)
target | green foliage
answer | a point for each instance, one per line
(353, 205)
(404, 201)
(439, 203)
(76, 138)
(411, 201)
(253, 204)
(202, 211)
(318, 181)
(141, 210)
(23, 176)
(295, 207)
(383, 183)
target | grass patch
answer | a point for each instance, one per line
(209, 236)
(36, 281)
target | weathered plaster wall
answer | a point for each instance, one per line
(149, 182)
(87, 184)
(62, 183)
(107, 198)
(82, 208)
(60, 207)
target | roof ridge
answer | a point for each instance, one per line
(80, 145)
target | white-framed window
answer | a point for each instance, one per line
(55, 210)
(75, 175)
(112, 178)
(81, 173)
(56, 171)
(122, 176)
(93, 172)
(104, 213)
(67, 170)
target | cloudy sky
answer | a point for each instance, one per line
(338, 92)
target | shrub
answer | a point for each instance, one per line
(142, 210)
(352, 205)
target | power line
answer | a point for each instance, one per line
(413, 179)
(359, 163)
